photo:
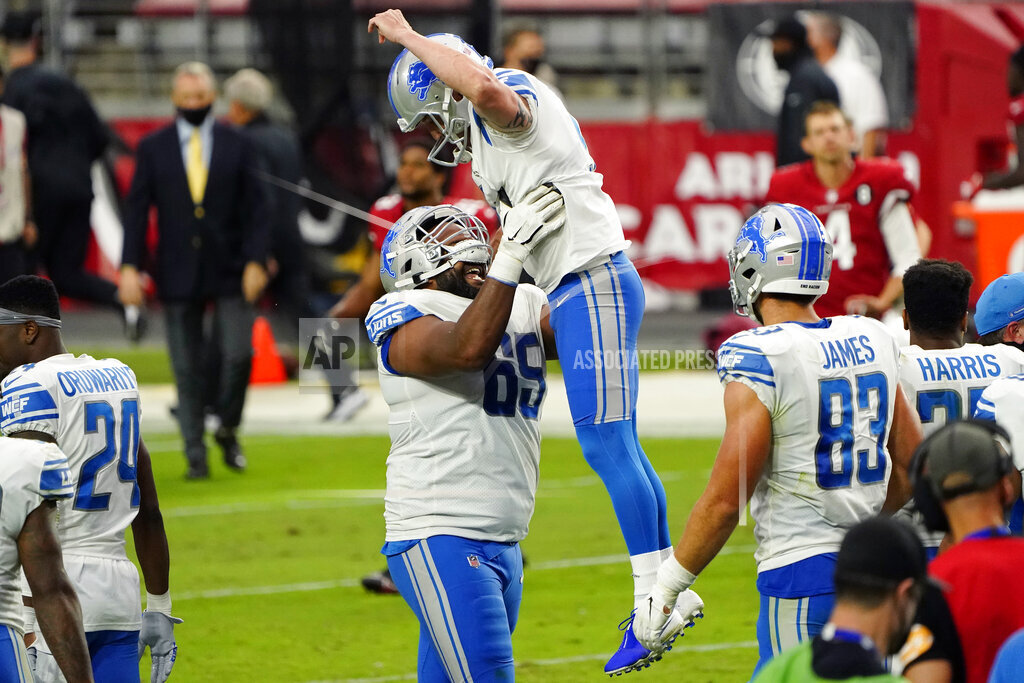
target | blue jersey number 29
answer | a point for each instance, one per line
(86, 497)
(836, 411)
(512, 382)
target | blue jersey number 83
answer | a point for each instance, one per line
(836, 411)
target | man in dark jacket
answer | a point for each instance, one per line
(808, 84)
(213, 236)
(249, 94)
(65, 136)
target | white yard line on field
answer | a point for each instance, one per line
(709, 647)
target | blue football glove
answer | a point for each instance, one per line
(157, 632)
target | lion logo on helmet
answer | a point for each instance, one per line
(386, 256)
(420, 80)
(752, 231)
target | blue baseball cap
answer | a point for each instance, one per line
(1000, 304)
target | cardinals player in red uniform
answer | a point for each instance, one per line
(863, 205)
(420, 183)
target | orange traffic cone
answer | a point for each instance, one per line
(267, 366)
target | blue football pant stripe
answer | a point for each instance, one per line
(467, 613)
(785, 622)
(596, 316)
(13, 658)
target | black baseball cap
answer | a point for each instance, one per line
(964, 457)
(879, 553)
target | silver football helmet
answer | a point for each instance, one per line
(427, 241)
(783, 248)
(416, 93)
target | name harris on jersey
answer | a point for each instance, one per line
(939, 369)
(96, 380)
(846, 352)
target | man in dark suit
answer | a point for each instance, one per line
(213, 237)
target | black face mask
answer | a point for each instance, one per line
(784, 60)
(195, 116)
(530, 64)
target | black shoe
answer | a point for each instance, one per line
(197, 472)
(232, 450)
(380, 582)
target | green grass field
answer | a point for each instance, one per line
(265, 569)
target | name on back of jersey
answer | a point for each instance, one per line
(842, 353)
(96, 380)
(939, 369)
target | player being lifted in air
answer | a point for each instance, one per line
(519, 135)
(33, 477)
(90, 408)
(462, 369)
(818, 434)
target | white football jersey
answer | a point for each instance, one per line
(508, 166)
(465, 448)
(30, 472)
(91, 408)
(1003, 402)
(830, 390)
(945, 385)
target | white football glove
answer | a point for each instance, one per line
(655, 626)
(158, 633)
(524, 226)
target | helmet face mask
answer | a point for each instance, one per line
(426, 242)
(784, 249)
(417, 94)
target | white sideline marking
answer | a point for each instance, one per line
(233, 591)
(269, 590)
(709, 647)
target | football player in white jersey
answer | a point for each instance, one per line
(519, 135)
(818, 434)
(943, 377)
(90, 408)
(33, 477)
(1000, 321)
(462, 364)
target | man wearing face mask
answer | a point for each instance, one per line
(808, 84)
(524, 49)
(881, 572)
(213, 238)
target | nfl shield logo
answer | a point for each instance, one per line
(474, 562)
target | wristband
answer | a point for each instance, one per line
(675, 576)
(159, 603)
(505, 268)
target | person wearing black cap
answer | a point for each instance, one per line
(880, 575)
(1002, 180)
(808, 83)
(964, 481)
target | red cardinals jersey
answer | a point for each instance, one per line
(389, 208)
(851, 214)
(985, 596)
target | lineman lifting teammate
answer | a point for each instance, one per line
(90, 408)
(811, 473)
(519, 135)
(462, 369)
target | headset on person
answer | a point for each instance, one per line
(928, 495)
